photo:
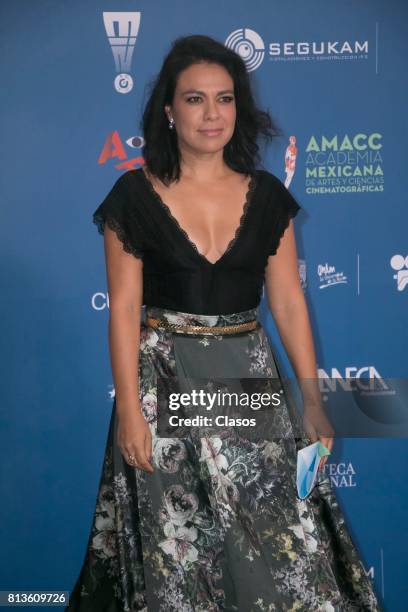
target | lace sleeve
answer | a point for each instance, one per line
(286, 208)
(119, 212)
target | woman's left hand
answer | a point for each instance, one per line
(318, 427)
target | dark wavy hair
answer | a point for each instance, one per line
(241, 153)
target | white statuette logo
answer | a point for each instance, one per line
(122, 29)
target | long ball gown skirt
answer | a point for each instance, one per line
(218, 525)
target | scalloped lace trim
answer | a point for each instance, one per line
(114, 225)
(248, 199)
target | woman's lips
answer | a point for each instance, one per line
(211, 132)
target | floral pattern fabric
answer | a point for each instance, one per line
(218, 526)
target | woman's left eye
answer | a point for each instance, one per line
(227, 98)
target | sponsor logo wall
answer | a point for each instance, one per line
(333, 77)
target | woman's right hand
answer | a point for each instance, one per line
(135, 439)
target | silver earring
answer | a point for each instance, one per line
(171, 124)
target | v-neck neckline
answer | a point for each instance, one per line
(249, 197)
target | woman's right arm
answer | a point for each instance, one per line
(125, 287)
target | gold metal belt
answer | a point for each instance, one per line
(202, 329)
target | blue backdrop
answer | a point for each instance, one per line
(333, 76)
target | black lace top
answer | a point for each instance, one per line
(175, 274)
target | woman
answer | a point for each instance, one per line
(199, 522)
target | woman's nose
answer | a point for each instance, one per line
(211, 110)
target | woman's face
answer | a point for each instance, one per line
(203, 108)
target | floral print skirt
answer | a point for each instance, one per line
(218, 525)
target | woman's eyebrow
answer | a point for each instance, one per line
(202, 93)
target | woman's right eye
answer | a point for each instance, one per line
(193, 98)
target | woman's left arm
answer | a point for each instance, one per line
(289, 310)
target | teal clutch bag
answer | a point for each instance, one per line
(308, 460)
